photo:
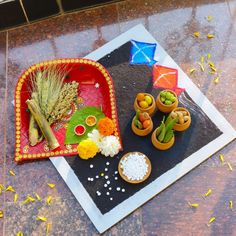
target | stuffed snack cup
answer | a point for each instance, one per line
(166, 108)
(150, 110)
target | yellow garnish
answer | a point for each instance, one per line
(51, 185)
(10, 189)
(222, 158)
(196, 34)
(216, 80)
(229, 165)
(212, 219)
(48, 227)
(12, 173)
(38, 197)
(202, 67)
(49, 200)
(42, 218)
(15, 198)
(202, 59)
(191, 71)
(209, 18)
(231, 204)
(208, 193)
(210, 36)
(193, 205)
(20, 234)
(208, 56)
(1, 214)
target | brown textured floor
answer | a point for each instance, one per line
(77, 34)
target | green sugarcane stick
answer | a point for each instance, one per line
(33, 132)
(43, 124)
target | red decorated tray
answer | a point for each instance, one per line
(95, 89)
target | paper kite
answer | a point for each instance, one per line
(142, 53)
(166, 77)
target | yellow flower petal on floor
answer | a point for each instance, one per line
(208, 56)
(42, 218)
(208, 193)
(212, 219)
(48, 227)
(20, 234)
(216, 80)
(87, 149)
(211, 64)
(29, 199)
(209, 18)
(222, 158)
(191, 71)
(202, 59)
(210, 36)
(196, 34)
(51, 185)
(1, 214)
(38, 197)
(202, 67)
(12, 173)
(193, 205)
(230, 167)
(10, 189)
(231, 204)
(49, 200)
(15, 198)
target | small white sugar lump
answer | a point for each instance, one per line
(98, 193)
(108, 182)
(110, 188)
(106, 177)
(91, 179)
(123, 190)
(107, 193)
(118, 189)
(116, 178)
(111, 198)
(91, 166)
(116, 172)
(97, 176)
(134, 166)
(105, 185)
(108, 163)
(106, 169)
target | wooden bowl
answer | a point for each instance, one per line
(124, 177)
(166, 108)
(142, 132)
(150, 110)
(159, 145)
(185, 125)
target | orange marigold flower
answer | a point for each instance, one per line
(106, 126)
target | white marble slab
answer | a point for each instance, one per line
(103, 222)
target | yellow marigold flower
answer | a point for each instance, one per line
(87, 149)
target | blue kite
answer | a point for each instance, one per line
(142, 53)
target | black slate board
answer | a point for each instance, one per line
(128, 81)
